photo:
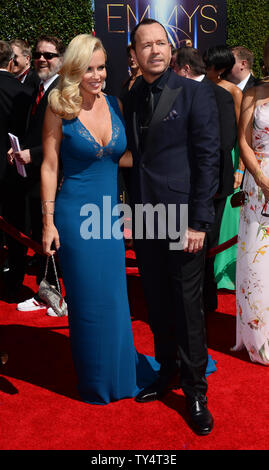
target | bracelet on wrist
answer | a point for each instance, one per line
(47, 213)
(239, 171)
(44, 208)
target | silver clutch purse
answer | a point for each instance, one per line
(50, 295)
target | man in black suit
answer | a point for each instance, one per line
(190, 64)
(172, 131)
(14, 103)
(241, 74)
(47, 57)
(22, 65)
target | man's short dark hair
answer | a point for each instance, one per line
(144, 22)
(192, 57)
(59, 45)
(6, 54)
(243, 53)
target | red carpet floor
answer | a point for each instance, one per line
(41, 410)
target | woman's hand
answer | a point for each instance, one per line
(237, 179)
(50, 235)
(264, 185)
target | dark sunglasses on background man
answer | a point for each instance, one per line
(46, 55)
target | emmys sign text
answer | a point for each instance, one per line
(199, 23)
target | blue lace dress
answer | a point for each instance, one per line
(92, 261)
(93, 265)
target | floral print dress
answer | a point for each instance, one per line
(252, 269)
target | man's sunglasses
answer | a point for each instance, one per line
(46, 55)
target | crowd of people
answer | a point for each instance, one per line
(188, 129)
(27, 89)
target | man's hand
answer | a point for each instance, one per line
(10, 156)
(23, 156)
(193, 240)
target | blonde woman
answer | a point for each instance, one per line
(84, 129)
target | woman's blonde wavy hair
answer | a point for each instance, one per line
(65, 99)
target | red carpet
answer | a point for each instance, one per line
(41, 410)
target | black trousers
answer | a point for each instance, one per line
(172, 283)
(210, 291)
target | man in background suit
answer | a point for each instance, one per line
(190, 64)
(22, 65)
(241, 74)
(172, 131)
(47, 57)
(14, 104)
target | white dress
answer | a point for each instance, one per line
(252, 269)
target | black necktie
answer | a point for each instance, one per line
(146, 113)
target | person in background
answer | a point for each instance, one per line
(173, 58)
(24, 193)
(190, 64)
(22, 64)
(220, 61)
(252, 285)
(14, 104)
(28, 77)
(241, 73)
(134, 72)
(182, 43)
(123, 174)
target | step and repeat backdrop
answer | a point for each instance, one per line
(199, 23)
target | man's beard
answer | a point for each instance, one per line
(45, 75)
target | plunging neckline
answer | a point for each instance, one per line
(90, 134)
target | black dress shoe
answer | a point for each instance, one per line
(201, 419)
(158, 389)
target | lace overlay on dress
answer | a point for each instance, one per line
(100, 150)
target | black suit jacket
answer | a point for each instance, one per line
(228, 135)
(180, 162)
(252, 81)
(33, 141)
(32, 81)
(15, 101)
